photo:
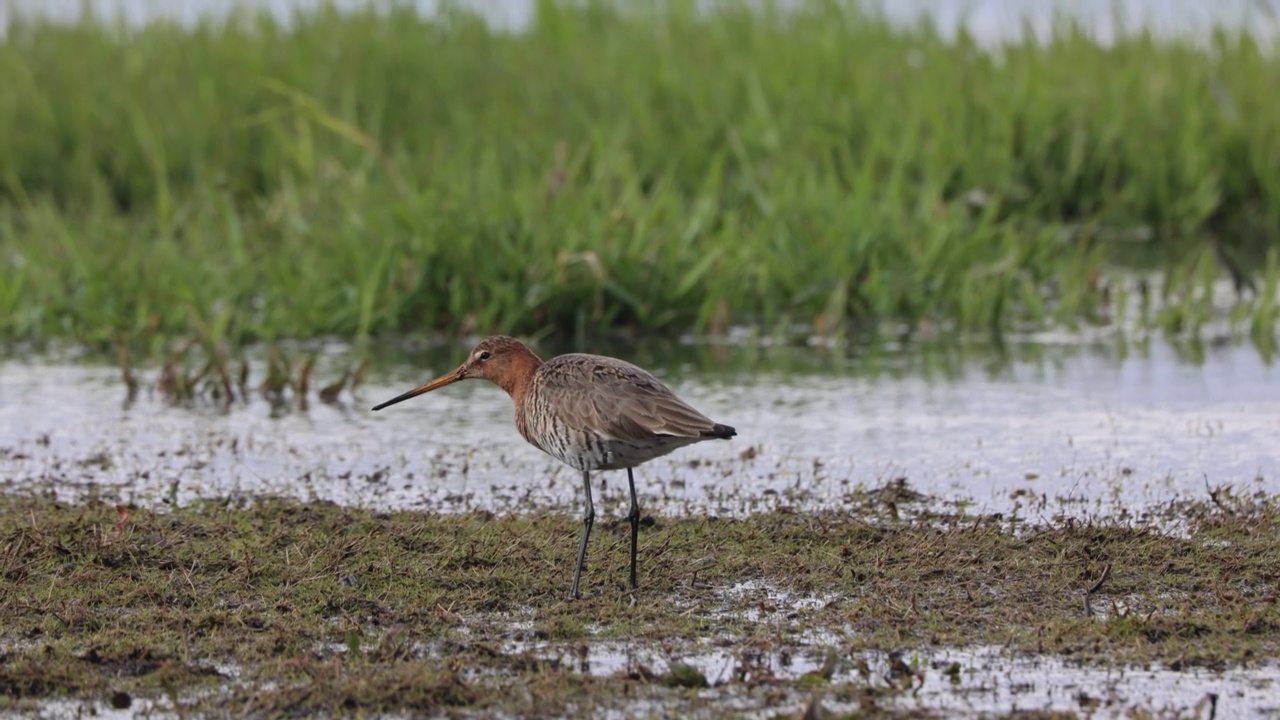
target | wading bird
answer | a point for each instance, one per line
(587, 411)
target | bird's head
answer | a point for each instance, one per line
(500, 359)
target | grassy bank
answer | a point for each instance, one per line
(377, 173)
(281, 607)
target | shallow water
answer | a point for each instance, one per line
(985, 680)
(1043, 429)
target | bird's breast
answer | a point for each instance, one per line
(577, 447)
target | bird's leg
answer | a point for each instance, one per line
(634, 517)
(587, 520)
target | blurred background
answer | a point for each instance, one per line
(988, 19)
(257, 171)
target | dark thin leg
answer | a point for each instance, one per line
(634, 517)
(587, 520)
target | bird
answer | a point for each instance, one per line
(590, 412)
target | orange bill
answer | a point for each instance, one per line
(439, 382)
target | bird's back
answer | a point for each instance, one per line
(600, 413)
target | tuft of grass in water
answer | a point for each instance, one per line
(275, 606)
(194, 372)
(674, 167)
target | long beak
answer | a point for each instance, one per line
(439, 382)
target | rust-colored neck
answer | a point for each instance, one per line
(517, 373)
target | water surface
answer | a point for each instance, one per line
(1041, 430)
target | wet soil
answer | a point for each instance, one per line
(275, 607)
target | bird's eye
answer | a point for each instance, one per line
(483, 355)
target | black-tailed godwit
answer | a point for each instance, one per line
(588, 411)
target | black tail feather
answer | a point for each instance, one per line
(720, 431)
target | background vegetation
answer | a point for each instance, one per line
(376, 173)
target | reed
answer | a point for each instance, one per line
(374, 173)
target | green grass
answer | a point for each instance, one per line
(375, 173)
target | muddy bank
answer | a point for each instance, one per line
(271, 605)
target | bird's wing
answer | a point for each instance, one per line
(621, 401)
